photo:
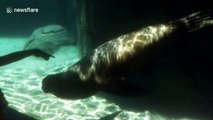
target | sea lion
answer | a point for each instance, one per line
(106, 67)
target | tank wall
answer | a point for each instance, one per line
(22, 24)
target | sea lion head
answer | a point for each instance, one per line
(68, 85)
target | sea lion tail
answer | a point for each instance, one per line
(196, 20)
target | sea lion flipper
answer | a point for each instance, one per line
(196, 21)
(111, 116)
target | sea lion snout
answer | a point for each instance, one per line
(50, 83)
(44, 84)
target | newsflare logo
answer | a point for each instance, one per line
(9, 9)
(21, 10)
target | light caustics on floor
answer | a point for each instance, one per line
(21, 84)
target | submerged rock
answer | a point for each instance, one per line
(7, 113)
(3, 105)
(48, 38)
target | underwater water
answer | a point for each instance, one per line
(21, 81)
(21, 84)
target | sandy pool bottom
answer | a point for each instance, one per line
(21, 84)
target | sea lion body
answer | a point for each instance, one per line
(105, 68)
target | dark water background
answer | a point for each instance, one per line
(179, 77)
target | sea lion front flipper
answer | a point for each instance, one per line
(111, 116)
(124, 88)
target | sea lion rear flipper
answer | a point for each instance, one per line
(196, 20)
(124, 88)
